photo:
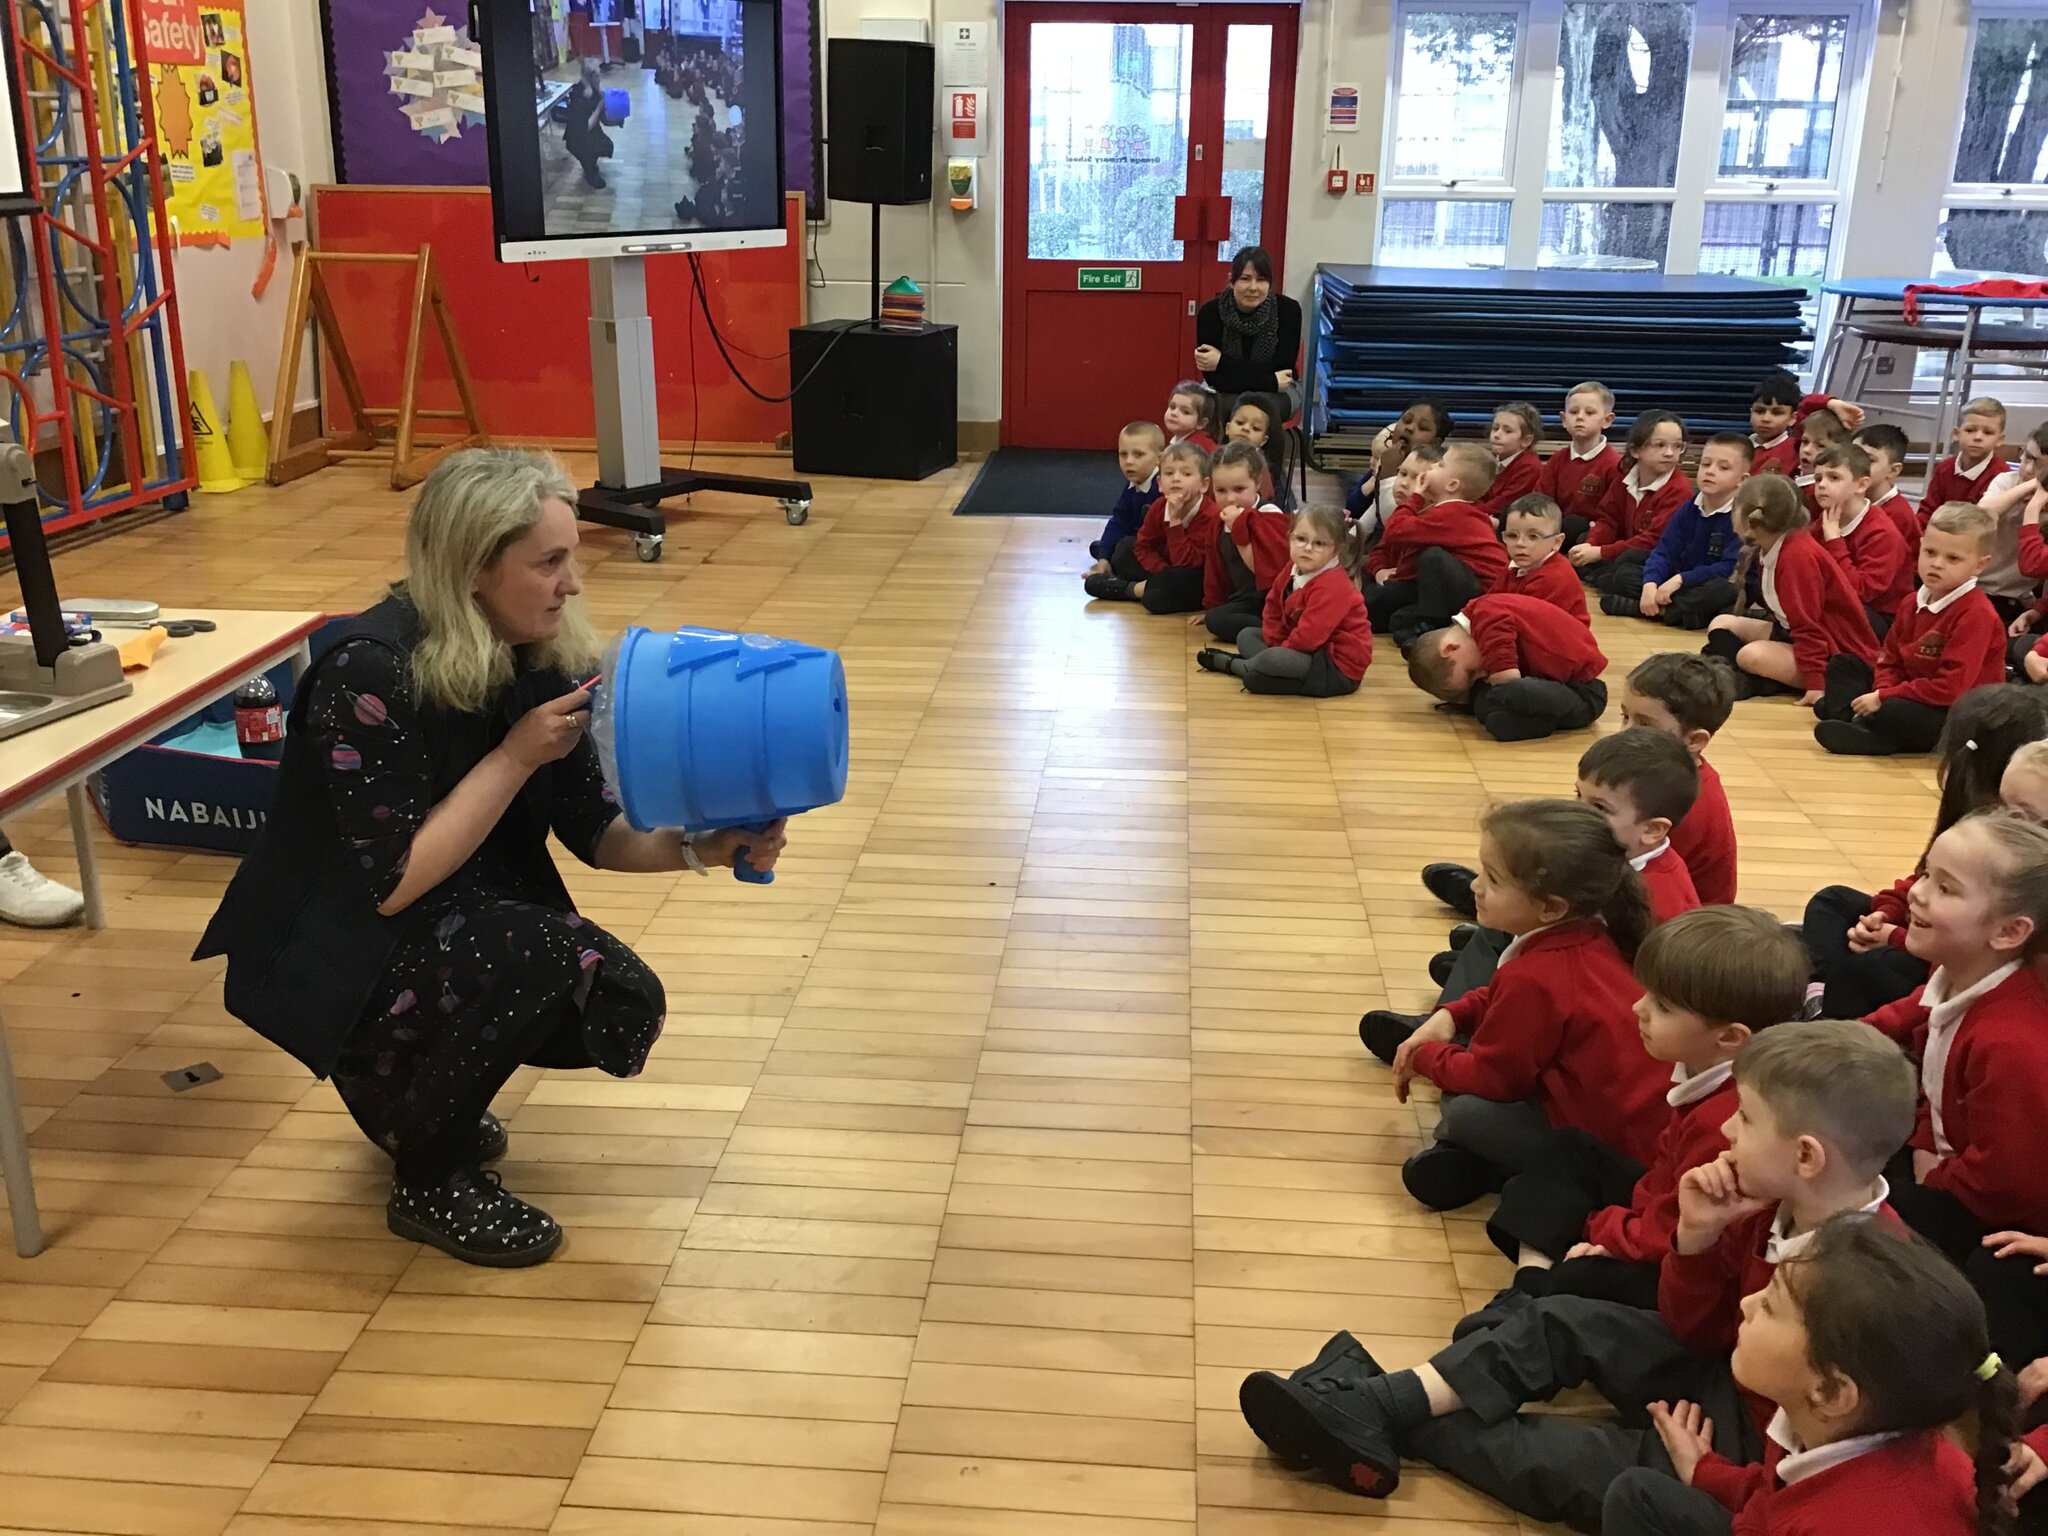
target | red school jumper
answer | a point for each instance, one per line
(1779, 457)
(1515, 478)
(1705, 839)
(1261, 537)
(1668, 884)
(1557, 1026)
(1924, 1483)
(1935, 658)
(1948, 483)
(1325, 610)
(1578, 485)
(1554, 579)
(1162, 544)
(1810, 593)
(1994, 1099)
(1457, 527)
(1640, 1231)
(1900, 511)
(1875, 558)
(1626, 521)
(1535, 638)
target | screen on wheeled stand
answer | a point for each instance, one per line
(611, 136)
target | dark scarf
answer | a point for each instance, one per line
(1251, 337)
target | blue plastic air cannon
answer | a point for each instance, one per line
(705, 729)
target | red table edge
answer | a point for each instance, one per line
(147, 723)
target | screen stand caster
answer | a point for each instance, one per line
(632, 482)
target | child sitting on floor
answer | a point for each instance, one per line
(1638, 505)
(1945, 641)
(1314, 638)
(1524, 668)
(1578, 476)
(1551, 1043)
(1966, 474)
(1812, 613)
(1773, 414)
(1138, 448)
(1533, 536)
(1979, 1030)
(1858, 940)
(1261, 420)
(1686, 576)
(1447, 525)
(1887, 447)
(1192, 415)
(1596, 1223)
(1869, 1348)
(1820, 1107)
(1516, 430)
(1250, 549)
(1869, 548)
(1163, 567)
(2011, 579)
(1817, 434)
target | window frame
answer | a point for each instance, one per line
(1699, 181)
(1991, 195)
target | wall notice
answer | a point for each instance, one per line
(206, 130)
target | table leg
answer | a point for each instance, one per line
(88, 862)
(14, 1172)
(302, 659)
(1831, 348)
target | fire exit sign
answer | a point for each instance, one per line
(1125, 279)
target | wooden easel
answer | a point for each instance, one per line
(373, 430)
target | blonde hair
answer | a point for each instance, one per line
(474, 506)
(1967, 519)
(2021, 878)
(2030, 758)
(1597, 390)
(1474, 466)
(1986, 405)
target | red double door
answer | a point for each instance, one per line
(1144, 144)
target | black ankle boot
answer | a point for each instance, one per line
(468, 1216)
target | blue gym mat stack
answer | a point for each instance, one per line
(1384, 337)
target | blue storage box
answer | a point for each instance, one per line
(165, 798)
(618, 106)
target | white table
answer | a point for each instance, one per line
(188, 675)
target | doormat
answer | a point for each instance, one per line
(1044, 482)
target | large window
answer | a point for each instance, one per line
(1674, 135)
(1996, 213)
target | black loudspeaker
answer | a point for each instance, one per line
(879, 106)
(880, 403)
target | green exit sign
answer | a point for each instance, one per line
(1123, 279)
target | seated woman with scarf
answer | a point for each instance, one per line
(1248, 338)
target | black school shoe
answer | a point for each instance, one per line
(1620, 607)
(1461, 935)
(1446, 1177)
(492, 1140)
(468, 1216)
(1316, 1419)
(1441, 965)
(1845, 738)
(1384, 1031)
(1451, 884)
(1212, 659)
(1108, 586)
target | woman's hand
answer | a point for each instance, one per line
(1283, 379)
(548, 732)
(718, 849)
(1206, 359)
(1687, 1433)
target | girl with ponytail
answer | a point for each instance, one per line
(1873, 1346)
(1552, 1044)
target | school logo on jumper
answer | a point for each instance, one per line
(1932, 644)
(1716, 542)
(1593, 487)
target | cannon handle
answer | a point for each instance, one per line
(742, 870)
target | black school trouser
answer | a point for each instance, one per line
(1857, 985)
(1177, 589)
(1236, 614)
(1698, 606)
(1902, 724)
(1531, 708)
(1621, 576)
(1444, 584)
(1384, 600)
(1267, 668)
(2015, 1298)
(1526, 1350)
(1546, 1207)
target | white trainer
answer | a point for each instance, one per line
(31, 899)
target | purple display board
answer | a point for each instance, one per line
(394, 125)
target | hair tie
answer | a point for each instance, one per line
(1990, 1367)
(1969, 746)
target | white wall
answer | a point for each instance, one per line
(222, 323)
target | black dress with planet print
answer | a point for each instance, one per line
(489, 972)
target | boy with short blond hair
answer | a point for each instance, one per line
(1820, 1108)
(1433, 563)
(1579, 475)
(1966, 474)
(1138, 448)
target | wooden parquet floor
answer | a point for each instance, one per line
(984, 1152)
